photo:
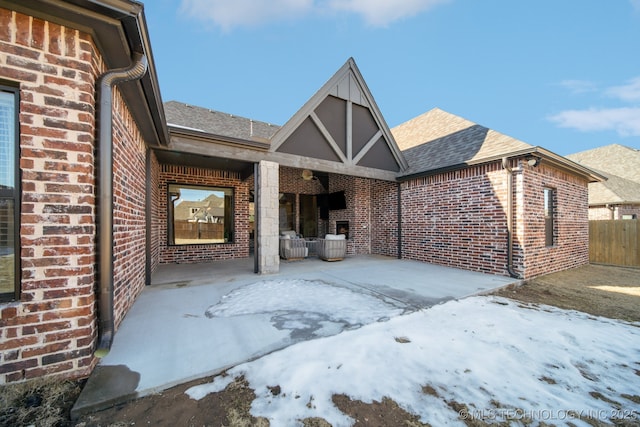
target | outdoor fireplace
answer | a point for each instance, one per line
(342, 227)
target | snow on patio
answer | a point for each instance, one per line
(307, 308)
(502, 359)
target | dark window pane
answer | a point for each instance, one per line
(549, 216)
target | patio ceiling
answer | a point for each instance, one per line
(244, 168)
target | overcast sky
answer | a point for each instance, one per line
(564, 75)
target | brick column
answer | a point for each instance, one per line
(267, 190)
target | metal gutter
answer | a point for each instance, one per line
(211, 137)
(118, 29)
(106, 324)
(506, 167)
(549, 157)
(399, 220)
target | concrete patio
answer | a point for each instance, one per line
(167, 339)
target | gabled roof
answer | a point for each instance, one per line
(621, 166)
(199, 119)
(437, 140)
(341, 124)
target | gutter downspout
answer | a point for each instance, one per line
(106, 324)
(399, 220)
(505, 166)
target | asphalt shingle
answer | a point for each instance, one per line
(217, 123)
(620, 165)
(437, 139)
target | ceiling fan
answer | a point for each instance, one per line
(307, 175)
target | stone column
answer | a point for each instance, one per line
(267, 243)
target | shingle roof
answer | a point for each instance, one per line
(187, 116)
(437, 139)
(621, 166)
(613, 159)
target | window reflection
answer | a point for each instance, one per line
(200, 215)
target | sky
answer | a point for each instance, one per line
(502, 359)
(563, 75)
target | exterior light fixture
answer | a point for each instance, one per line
(533, 161)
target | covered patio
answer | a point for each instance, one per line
(197, 320)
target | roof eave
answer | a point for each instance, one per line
(118, 28)
(210, 137)
(550, 157)
(568, 165)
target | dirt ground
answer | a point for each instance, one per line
(599, 290)
(596, 289)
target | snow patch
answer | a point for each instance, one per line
(502, 359)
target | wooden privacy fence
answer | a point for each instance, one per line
(198, 230)
(615, 242)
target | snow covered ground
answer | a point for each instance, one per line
(502, 359)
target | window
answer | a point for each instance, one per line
(200, 215)
(9, 192)
(549, 216)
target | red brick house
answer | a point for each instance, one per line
(98, 179)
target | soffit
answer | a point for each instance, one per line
(244, 168)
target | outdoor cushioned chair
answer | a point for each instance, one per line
(332, 248)
(291, 246)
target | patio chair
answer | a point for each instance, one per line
(332, 248)
(291, 246)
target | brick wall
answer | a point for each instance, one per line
(384, 218)
(156, 202)
(571, 228)
(129, 217)
(628, 210)
(457, 219)
(203, 253)
(371, 210)
(357, 192)
(600, 213)
(52, 329)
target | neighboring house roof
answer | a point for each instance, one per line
(621, 166)
(213, 122)
(614, 159)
